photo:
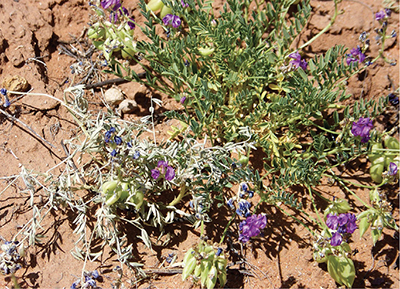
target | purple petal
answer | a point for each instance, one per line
(170, 173)
(392, 169)
(332, 221)
(336, 239)
(155, 174)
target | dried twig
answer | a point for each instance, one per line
(27, 127)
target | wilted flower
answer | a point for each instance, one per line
(297, 60)
(361, 128)
(355, 55)
(251, 227)
(172, 20)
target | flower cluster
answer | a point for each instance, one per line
(356, 56)
(251, 227)
(342, 224)
(10, 257)
(90, 280)
(117, 11)
(383, 14)
(172, 20)
(163, 169)
(244, 208)
(244, 189)
(297, 62)
(3, 92)
(361, 128)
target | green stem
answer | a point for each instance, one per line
(350, 191)
(315, 206)
(226, 228)
(299, 221)
(325, 29)
(180, 196)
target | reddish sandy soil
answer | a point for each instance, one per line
(32, 34)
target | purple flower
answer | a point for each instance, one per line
(388, 12)
(165, 169)
(170, 173)
(380, 15)
(113, 153)
(297, 60)
(155, 174)
(172, 20)
(392, 169)
(219, 251)
(131, 23)
(251, 227)
(332, 221)
(182, 99)
(3, 91)
(342, 219)
(336, 239)
(355, 55)
(361, 128)
(184, 5)
(244, 187)
(110, 3)
(351, 225)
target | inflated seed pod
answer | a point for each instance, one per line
(375, 152)
(376, 172)
(392, 143)
(155, 5)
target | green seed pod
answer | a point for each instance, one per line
(222, 279)
(125, 190)
(155, 5)
(375, 152)
(164, 11)
(244, 160)
(188, 268)
(363, 225)
(188, 256)
(376, 172)
(212, 278)
(392, 143)
(379, 160)
(113, 198)
(96, 32)
(206, 51)
(109, 187)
